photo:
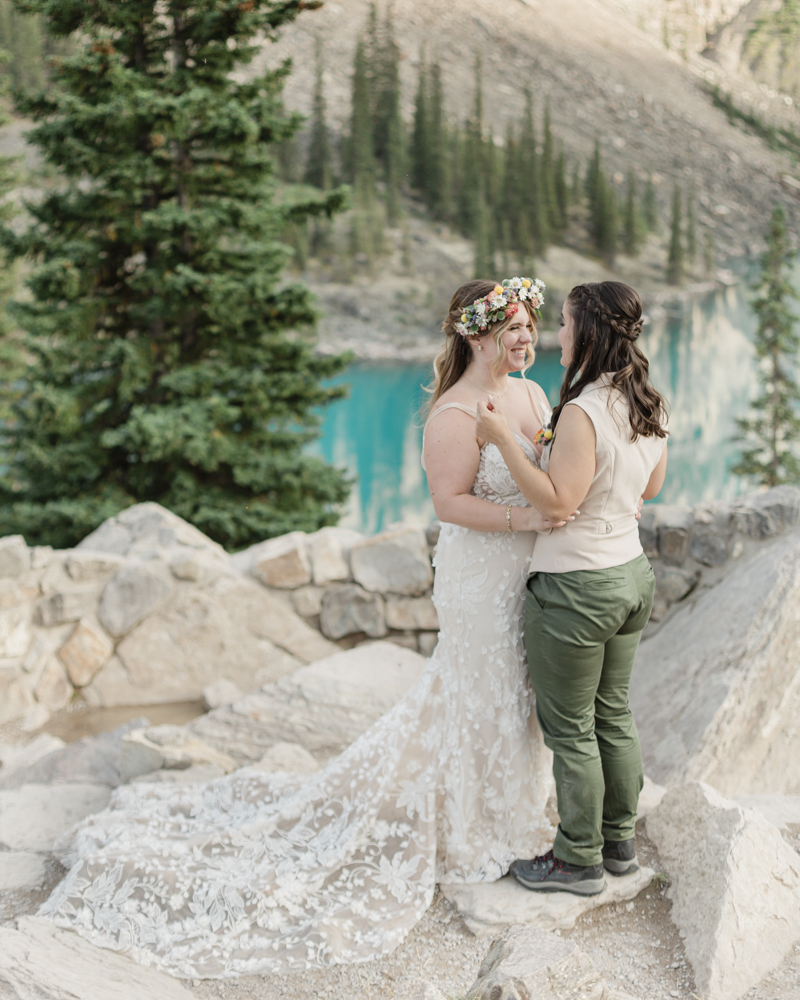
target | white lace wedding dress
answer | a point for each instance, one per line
(255, 873)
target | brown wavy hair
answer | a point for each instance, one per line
(608, 321)
(454, 358)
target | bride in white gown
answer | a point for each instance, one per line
(255, 873)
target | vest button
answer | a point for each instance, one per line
(608, 528)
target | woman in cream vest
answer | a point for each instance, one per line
(590, 586)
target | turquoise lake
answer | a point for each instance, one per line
(702, 360)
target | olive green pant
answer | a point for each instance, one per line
(582, 630)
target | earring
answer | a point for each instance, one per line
(480, 347)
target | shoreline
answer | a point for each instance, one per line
(424, 349)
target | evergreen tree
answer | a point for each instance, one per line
(473, 172)
(438, 184)
(318, 164)
(632, 224)
(362, 155)
(691, 231)
(161, 368)
(708, 254)
(651, 219)
(389, 128)
(534, 206)
(562, 191)
(547, 175)
(603, 208)
(420, 136)
(771, 432)
(676, 261)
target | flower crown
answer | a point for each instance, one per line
(500, 304)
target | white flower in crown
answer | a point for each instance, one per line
(499, 304)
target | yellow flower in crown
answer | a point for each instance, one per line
(498, 290)
(526, 282)
(463, 317)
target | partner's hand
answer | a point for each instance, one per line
(531, 520)
(491, 424)
(639, 509)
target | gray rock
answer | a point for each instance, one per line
(395, 561)
(54, 690)
(648, 534)
(746, 918)
(136, 759)
(712, 534)
(673, 526)
(782, 811)
(90, 566)
(221, 692)
(348, 608)
(432, 533)
(90, 761)
(488, 908)
(282, 562)
(329, 551)
(716, 691)
(673, 584)
(427, 642)
(15, 557)
(290, 758)
(20, 869)
(323, 707)
(15, 631)
(530, 963)
(34, 817)
(39, 961)
(109, 537)
(134, 592)
(307, 601)
(65, 606)
(411, 613)
(233, 630)
(16, 758)
(762, 515)
(85, 652)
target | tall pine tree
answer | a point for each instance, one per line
(676, 258)
(318, 163)
(632, 224)
(160, 363)
(772, 431)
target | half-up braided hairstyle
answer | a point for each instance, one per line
(608, 320)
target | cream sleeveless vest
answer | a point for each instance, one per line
(606, 532)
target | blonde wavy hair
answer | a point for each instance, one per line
(454, 358)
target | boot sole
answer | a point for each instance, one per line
(588, 887)
(621, 867)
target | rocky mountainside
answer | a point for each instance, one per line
(606, 73)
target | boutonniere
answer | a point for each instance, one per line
(543, 437)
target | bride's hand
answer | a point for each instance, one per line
(532, 520)
(491, 424)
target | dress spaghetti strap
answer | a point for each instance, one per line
(441, 409)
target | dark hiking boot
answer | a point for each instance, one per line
(619, 857)
(550, 874)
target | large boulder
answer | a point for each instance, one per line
(147, 530)
(34, 817)
(716, 692)
(323, 707)
(232, 629)
(395, 561)
(735, 887)
(39, 961)
(762, 515)
(532, 963)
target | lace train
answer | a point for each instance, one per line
(255, 873)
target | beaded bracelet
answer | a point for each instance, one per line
(508, 517)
